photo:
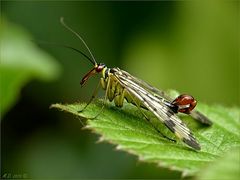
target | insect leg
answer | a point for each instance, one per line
(92, 98)
(146, 117)
(104, 101)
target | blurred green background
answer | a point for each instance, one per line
(189, 46)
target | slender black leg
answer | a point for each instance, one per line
(92, 98)
(158, 130)
(105, 99)
(164, 136)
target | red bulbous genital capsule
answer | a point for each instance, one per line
(185, 103)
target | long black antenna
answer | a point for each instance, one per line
(66, 46)
(71, 30)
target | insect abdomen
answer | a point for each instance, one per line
(136, 102)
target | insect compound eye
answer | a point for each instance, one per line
(185, 103)
(100, 67)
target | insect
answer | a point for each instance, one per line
(119, 85)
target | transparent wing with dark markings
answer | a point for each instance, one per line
(146, 86)
(161, 94)
(157, 107)
(200, 117)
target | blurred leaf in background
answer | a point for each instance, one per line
(21, 61)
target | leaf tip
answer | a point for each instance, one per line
(57, 105)
(101, 139)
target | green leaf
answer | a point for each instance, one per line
(126, 128)
(227, 167)
(21, 61)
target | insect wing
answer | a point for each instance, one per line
(157, 107)
(145, 85)
(200, 117)
(162, 95)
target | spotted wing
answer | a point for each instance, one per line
(162, 95)
(145, 85)
(158, 108)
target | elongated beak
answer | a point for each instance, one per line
(88, 75)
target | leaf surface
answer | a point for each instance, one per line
(129, 131)
(226, 167)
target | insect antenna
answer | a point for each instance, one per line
(75, 33)
(65, 46)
